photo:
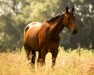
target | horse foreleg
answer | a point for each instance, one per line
(54, 55)
(43, 55)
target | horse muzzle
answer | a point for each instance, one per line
(75, 31)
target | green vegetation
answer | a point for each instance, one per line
(67, 63)
(16, 14)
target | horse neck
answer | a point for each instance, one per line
(56, 27)
(59, 30)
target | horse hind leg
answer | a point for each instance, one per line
(41, 56)
(30, 54)
(33, 57)
(28, 51)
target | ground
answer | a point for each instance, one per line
(76, 62)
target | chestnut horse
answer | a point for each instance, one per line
(44, 37)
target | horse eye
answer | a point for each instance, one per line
(68, 17)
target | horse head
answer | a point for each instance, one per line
(69, 20)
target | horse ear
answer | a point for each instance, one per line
(72, 9)
(67, 9)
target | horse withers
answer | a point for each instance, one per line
(44, 37)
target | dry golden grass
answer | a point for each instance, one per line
(68, 63)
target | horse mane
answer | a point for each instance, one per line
(53, 18)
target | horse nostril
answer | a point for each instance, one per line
(75, 31)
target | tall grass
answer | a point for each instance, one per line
(67, 63)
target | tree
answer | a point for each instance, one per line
(17, 15)
(84, 12)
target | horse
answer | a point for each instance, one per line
(44, 37)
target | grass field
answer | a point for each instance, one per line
(67, 63)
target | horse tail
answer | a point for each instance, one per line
(26, 29)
